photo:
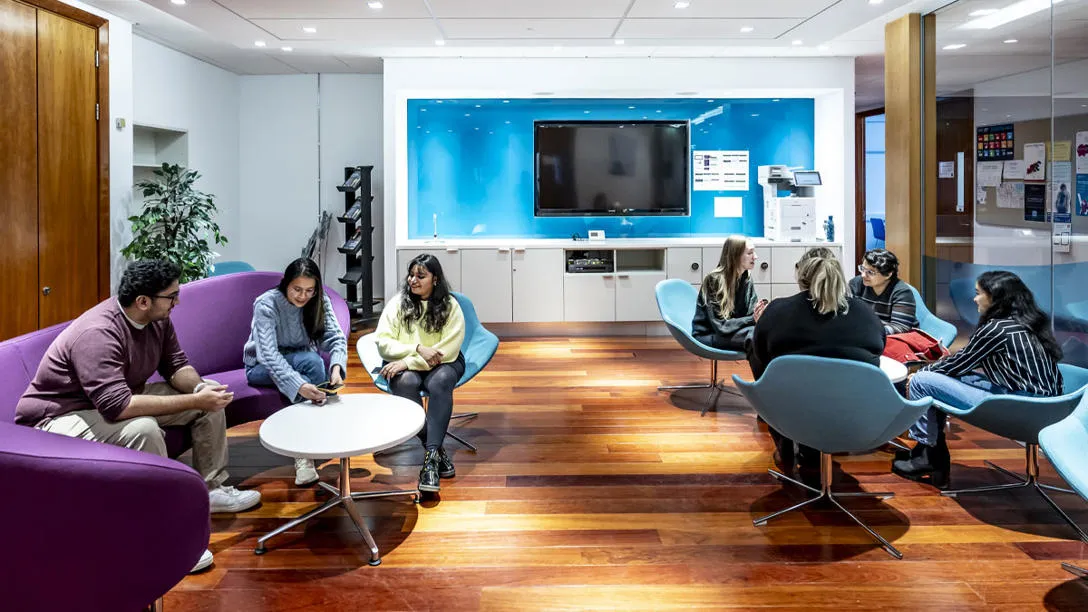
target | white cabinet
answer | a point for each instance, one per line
(635, 297)
(783, 262)
(763, 291)
(685, 263)
(781, 290)
(486, 280)
(589, 297)
(450, 259)
(537, 285)
(711, 255)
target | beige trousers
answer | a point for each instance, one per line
(208, 430)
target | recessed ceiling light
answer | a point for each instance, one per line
(658, 110)
(630, 108)
(1012, 12)
(468, 114)
(288, 49)
(823, 47)
(1010, 41)
(586, 112)
(440, 42)
(618, 41)
(258, 43)
(309, 29)
(876, 1)
(755, 114)
(506, 101)
(681, 4)
(798, 42)
(374, 4)
(982, 12)
(178, 2)
(477, 106)
(710, 99)
(776, 100)
(953, 47)
(747, 29)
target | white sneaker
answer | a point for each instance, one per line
(205, 561)
(305, 474)
(229, 499)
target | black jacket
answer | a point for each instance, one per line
(710, 328)
(791, 326)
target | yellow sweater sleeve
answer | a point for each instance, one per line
(453, 334)
(393, 343)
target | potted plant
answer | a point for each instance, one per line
(176, 223)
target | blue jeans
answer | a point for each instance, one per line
(964, 392)
(308, 364)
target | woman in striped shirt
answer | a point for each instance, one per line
(1016, 353)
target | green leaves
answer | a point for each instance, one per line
(175, 223)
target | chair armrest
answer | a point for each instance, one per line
(119, 527)
(367, 348)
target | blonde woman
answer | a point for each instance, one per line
(727, 307)
(822, 320)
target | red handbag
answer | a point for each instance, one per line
(915, 346)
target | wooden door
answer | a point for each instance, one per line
(18, 168)
(68, 247)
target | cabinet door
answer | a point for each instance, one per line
(486, 280)
(763, 291)
(681, 261)
(711, 255)
(781, 290)
(538, 285)
(635, 299)
(450, 259)
(783, 262)
(589, 297)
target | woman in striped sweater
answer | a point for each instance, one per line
(879, 286)
(1016, 353)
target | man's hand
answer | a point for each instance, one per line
(213, 398)
(431, 356)
(393, 368)
(312, 393)
(336, 377)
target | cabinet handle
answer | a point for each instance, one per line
(451, 250)
(624, 276)
(519, 249)
(607, 275)
(694, 266)
(504, 250)
(764, 266)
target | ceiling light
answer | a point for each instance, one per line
(178, 2)
(630, 108)
(477, 106)
(1010, 41)
(681, 4)
(506, 101)
(288, 49)
(798, 42)
(824, 47)
(586, 112)
(953, 47)
(755, 114)
(776, 100)
(747, 29)
(618, 41)
(374, 4)
(309, 29)
(982, 12)
(258, 43)
(440, 42)
(876, 1)
(710, 99)
(1009, 13)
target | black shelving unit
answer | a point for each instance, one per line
(358, 243)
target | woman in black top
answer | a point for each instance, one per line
(879, 286)
(727, 303)
(822, 321)
(1016, 353)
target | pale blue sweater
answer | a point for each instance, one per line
(278, 328)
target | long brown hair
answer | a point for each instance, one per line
(313, 313)
(411, 305)
(721, 282)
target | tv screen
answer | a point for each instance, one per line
(611, 168)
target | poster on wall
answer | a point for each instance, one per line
(1059, 151)
(720, 170)
(988, 174)
(1082, 195)
(981, 197)
(946, 169)
(1010, 195)
(1082, 152)
(1035, 161)
(1034, 202)
(1063, 232)
(1014, 170)
(1061, 186)
(994, 143)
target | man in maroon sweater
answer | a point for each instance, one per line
(92, 382)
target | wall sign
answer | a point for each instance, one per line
(994, 142)
(719, 170)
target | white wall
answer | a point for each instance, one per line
(829, 80)
(176, 91)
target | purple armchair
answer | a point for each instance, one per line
(120, 527)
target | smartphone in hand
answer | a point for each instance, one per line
(329, 389)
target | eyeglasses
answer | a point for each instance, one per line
(866, 271)
(303, 292)
(173, 297)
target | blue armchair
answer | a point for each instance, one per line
(1023, 418)
(834, 406)
(928, 322)
(676, 302)
(478, 347)
(1064, 443)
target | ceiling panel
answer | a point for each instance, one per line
(363, 65)
(369, 32)
(326, 9)
(765, 29)
(528, 28)
(732, 9)
(513, 9)
(314, 63)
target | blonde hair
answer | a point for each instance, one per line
(719, 284)
(822, 277)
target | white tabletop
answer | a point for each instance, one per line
(896, 371)
(346, 425)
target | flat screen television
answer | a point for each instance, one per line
(611, 168)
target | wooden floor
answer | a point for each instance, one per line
(592, 490)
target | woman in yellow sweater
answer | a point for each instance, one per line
(419, 337)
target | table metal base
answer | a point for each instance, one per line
(341, 497)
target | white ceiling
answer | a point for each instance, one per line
(351, 37)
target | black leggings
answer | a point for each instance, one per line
(438, 383)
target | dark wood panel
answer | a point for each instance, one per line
(68, 166)
(18, 168)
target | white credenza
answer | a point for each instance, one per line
(531, 284)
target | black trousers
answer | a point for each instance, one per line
(438, 383)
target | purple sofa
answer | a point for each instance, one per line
(118, 528)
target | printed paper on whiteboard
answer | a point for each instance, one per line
(1035, 161)
(988, 174)
(720, 170)
(1082, 152)
(946, 169)
(1010, 195)
(1014, 170)
(728, 207)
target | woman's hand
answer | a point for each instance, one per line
(760, 307)
(312, 393)
(336, 377)
(432, 356)
(393, 368)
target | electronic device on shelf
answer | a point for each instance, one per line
(353, 243)
(354, 212)
(580, 262)
(352, 182)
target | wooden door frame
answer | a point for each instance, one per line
(102, 26)
(859, 181)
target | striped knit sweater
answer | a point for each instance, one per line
(894, 307)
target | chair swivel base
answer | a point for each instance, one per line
(825, 493)
(714, 385)
(1031, 480)
(1079, 572)
(467, 415)
(341, 497)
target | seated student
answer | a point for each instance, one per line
(879, 286)
(821, 320)
(419, 336)
(92, 383)
(1016, 353)
(727, 303)
(291, 323)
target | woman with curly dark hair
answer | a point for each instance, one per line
(419, 337)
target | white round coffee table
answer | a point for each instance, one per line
(895, 371)
(345, 426)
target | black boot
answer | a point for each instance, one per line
(784, 456)
(931, 463)
(445, 464)
(428, 476)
